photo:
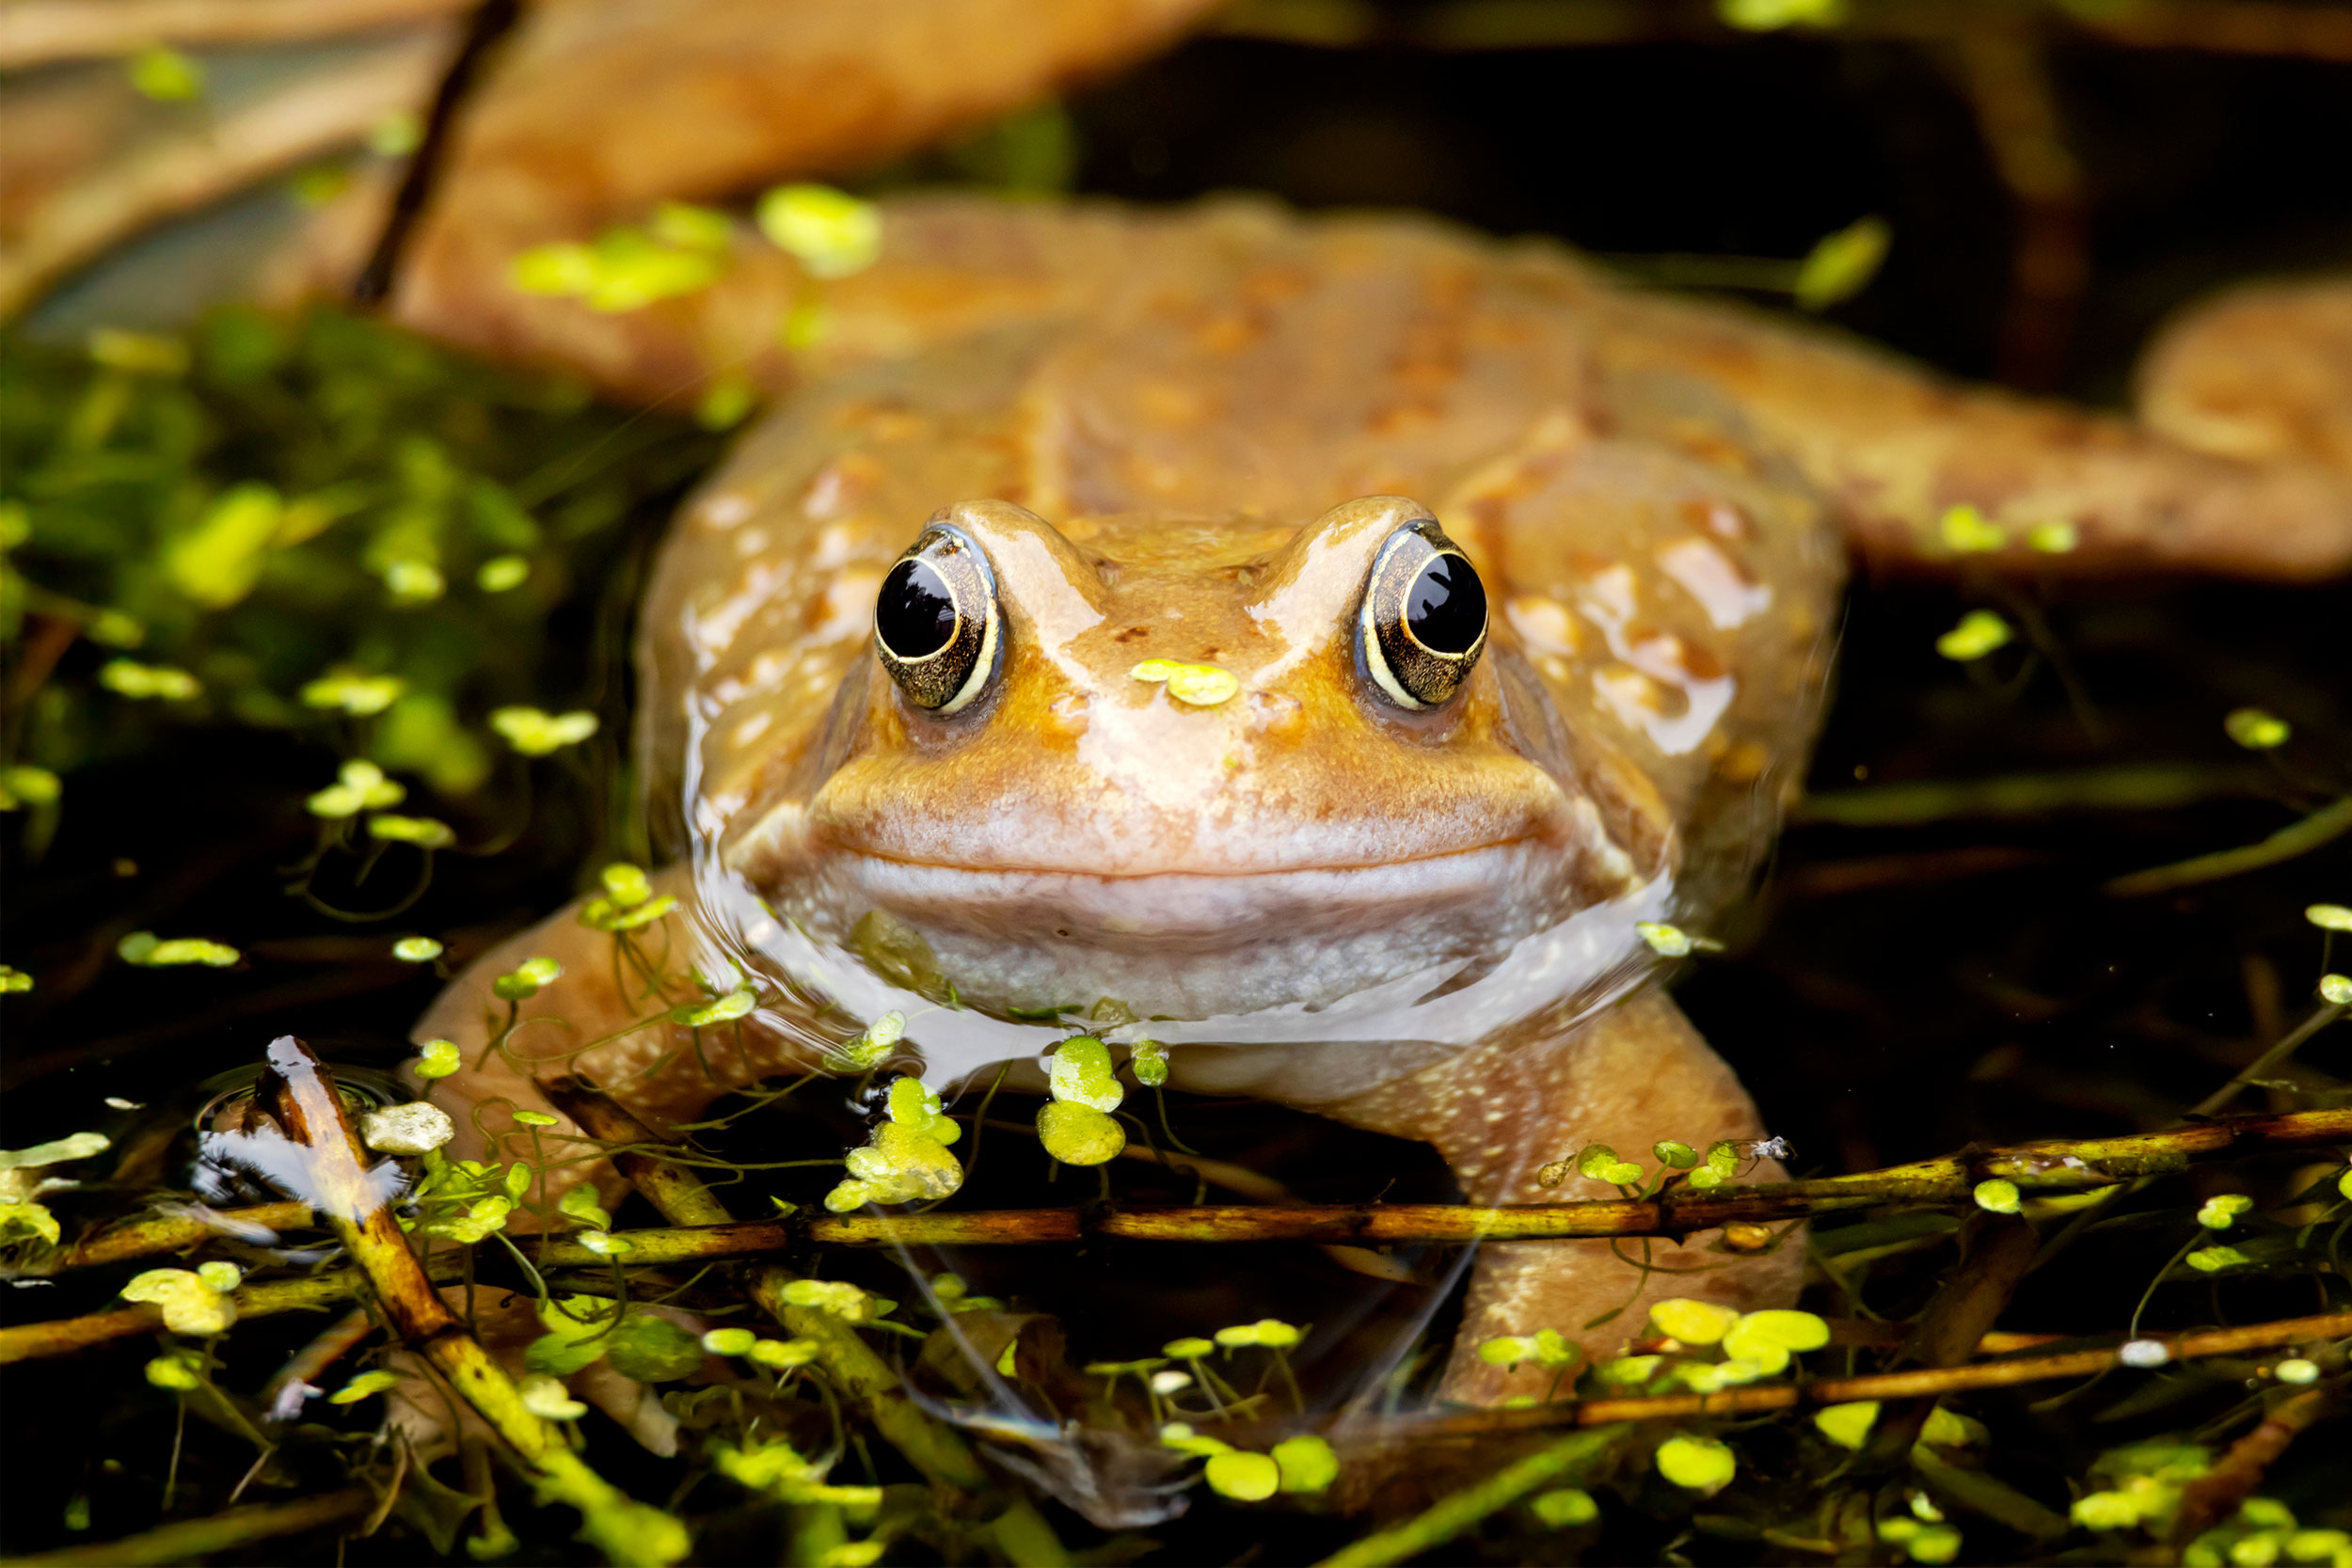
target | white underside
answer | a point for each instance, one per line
(1380, 970)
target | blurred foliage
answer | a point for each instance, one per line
(298, 522)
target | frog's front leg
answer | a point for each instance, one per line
(1635, 1075)
(604, 1020)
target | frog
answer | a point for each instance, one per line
(1357, 657)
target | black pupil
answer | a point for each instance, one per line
(1446, 609)
(915, 615)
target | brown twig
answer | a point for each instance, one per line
(2001, 1251)
(326, 1347)
(298, 1093)
(705, 1235)
(2213, 1496)
(2211, 1105)
(491, 21)
(64, 1336)
(2004, 66)
(2299, 837)
(194, 1540)
(155, 1234)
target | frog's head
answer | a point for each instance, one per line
(1199, 766)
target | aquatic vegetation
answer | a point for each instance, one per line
(296, 523)
(1194, 685)
(1978, 633)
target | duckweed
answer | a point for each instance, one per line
(1079, 1134)
(1079, 1073)
(1694, 1322)
(146, 950)
(827, 231)
(1977, 633)
(1244, 1477)
(1565, 1506)
(2257, 729)
(366, 1385)
(535, 734)
(2223, 1210)
(173, 1372)
(1667, 942)
(729, 1341)
(190, 1304)
(1966, 531)
(1696, 1463)
(1846, 1425)
(1769, 1338)
(1998, 1196)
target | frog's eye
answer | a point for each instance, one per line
(935, 623)
(1423, 619)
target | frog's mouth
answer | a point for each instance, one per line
(1191, 907)
(1188, 944)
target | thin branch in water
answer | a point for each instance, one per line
(194, 1540)
(300, 1096)
(491, 21)
(2321, 827)
(1451, 1516)
(2213, 1496)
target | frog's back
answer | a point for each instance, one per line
(1219, 378)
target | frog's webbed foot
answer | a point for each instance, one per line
(1635, 1075)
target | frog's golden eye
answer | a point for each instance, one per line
(1423, 620)
(935, 624)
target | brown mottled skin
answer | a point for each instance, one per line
(1164, 410)
(1161, 428)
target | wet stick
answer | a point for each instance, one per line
(64, 1336)
(2215, 1495)
(301, 1097)
(704, 1234)
(194, 1540)
(2212, 1105)
(171, 1232)
(1450, 1516)
(2000, 1252)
